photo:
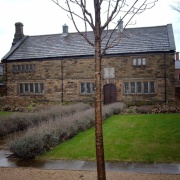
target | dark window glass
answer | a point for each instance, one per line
(82, 90)
(13, 68)
(126, 87)
(27, 67)
(132, 87)
(25, 88)
(31, 89)
(36, 88)
(139, 87)
(145, 87)
(93, 87)
(30, 67)
(34, 67)
(19, 68)
(88, 88)
(152, 87)
(20, 88)
(41, 88)
(22, 68)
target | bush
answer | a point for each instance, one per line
(50, 133)
(21, 121)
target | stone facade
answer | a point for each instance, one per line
(65, 79)
(177, 76)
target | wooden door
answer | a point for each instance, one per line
(109, 93)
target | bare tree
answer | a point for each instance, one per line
(176, 7)
(99, 15)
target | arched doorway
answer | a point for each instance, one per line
(109, 93)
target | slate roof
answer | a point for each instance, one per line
(133, 40)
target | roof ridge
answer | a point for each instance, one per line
(90, 31)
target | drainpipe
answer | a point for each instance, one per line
(165, 83)
(62, 83)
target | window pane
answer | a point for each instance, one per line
(93, 87)
(13, 68)
(139, 61)
(82, 90)
(139, 87)
(132, 87)
(36, 88)
(19, 67)
(31, 88)
(27, 67)
(145, 87)
(25, 88)
(34, 67)
(41, 88)
(144, 61)
(31, 67)
(152, 87)
(134, 62)
(20, 88)
(88, 88)
(22, 68)
(126, 87)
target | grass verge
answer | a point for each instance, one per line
(130, 138)
(5, 113)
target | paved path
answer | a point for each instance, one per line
(91, 165)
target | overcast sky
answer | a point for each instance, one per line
(44, 17)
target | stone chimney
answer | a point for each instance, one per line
(177, 56)
(120, 26)
(18, 32)
(65, 30)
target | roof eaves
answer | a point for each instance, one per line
(172, 45)
(14, 48)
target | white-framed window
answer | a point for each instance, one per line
(87, 87)
(23, 68)
(31, 88)
(139, 87)
(139, 62)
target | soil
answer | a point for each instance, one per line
(38, 174)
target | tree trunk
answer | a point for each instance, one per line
(98, 96)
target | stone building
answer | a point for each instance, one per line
(1, 80)
(177, 76)
(139, 67)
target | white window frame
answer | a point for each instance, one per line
(85, 91)
(128, 89)
(22, 88)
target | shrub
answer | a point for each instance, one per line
(21, 121)
(52, 132)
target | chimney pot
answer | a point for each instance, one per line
(18, 32)
(177, 56)
(120, 25)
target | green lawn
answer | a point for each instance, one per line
(4, 113)
(131, 138)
